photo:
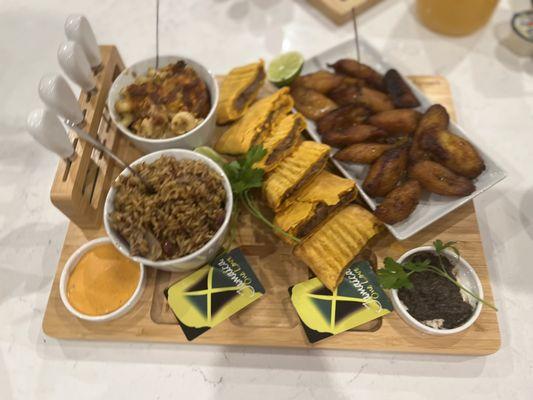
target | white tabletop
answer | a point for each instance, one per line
(493, 93)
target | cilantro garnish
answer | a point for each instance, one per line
(396, 275)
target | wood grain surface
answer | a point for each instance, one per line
(340, 11)
(271, 321)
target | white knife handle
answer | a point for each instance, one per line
(78, 29)
(57, 95)
(46, 128)
(75, 64)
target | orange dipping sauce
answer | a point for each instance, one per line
(102, 281)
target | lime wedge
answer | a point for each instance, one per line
(285, 68)
(212, 154)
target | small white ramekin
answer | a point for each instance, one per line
(199, 136)
(191, 261)
(466, 276)
(65, 275)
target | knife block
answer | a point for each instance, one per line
(80, 186)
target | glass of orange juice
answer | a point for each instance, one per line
(455, 17)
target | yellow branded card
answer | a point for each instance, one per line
(213, 293)
(358, 299)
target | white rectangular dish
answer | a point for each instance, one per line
(431, 206)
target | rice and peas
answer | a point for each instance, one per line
(186, 211)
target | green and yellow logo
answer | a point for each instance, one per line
(357, 300)
(213, 293)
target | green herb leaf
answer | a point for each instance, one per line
(440, 247)
(393, 276)
(252, 178)
(387, 280)
(255, 154)
(241, 173)
(416, 266)
(232, 170)
(396, 276)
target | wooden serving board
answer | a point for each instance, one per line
(272, 321)
(340, 11)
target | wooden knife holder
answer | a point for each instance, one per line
(80, 186)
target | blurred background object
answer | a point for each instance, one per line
(455, 17)
(518, 35)
(340, 11)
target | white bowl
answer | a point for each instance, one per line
(466, 276)
(65, 274)
(199, 257)
(200, 135)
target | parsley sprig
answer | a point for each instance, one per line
(244, 177)
(396, 275)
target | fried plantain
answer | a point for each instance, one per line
(362, 153)
(311, 103)
(351, 67)
(374, 100)
(351, 81)
(454, 152)
(399, 203)
(436, 178)
(435, 117)
(353, 134)
(416, 153)
(322, 81)
(386, 172)
(396, 122)
(345, 94)
(396, 140)
(342, 118)
(399, 91)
